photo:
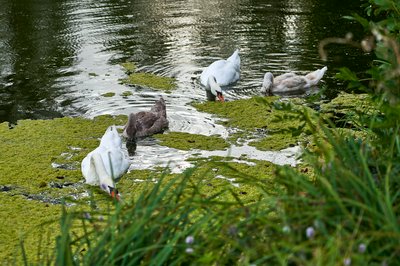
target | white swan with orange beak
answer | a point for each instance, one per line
(221, 73)
(107, 163)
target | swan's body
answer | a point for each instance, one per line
(108, 162)
(290, 83)
(146, 123)
(224, 71)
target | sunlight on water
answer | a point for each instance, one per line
(149, 155)
(59, 59)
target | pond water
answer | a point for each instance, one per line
(58, 57)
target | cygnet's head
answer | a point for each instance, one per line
(215, 88)
(268, 82)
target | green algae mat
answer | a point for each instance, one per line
(258, 122)
(149, 80)
(40, 171)
(40, 166)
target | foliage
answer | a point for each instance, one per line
(354, 192)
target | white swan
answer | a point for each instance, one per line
(225, 72)
(290, 83)
(108, 162)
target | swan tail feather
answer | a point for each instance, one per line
(315, 76)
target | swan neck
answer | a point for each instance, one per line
(100, 169)
(213, 85)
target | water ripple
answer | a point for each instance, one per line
(67, 55)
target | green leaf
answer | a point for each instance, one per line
(364, 22)
(346, 74)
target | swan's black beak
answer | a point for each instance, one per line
(220, 97)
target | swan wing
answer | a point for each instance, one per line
(159, 107)
(88, 170)
(212, 70)
(224, 71)
(116, 162)
(291, 85)
(158, 125)
(228, 76)
(282, 77)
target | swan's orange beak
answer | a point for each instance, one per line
(115, 195)
(220, 97)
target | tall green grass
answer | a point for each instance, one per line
(153, 229)
(345, 203)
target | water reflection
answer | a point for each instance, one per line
(58, 58)
(38, 47)
(50, 50)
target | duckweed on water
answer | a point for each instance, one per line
(239, 180)
(129, 67)
(126, 94)
(40, 162)
(153, 81)
(245, 114)
(186, 141)
(211, 176)
(348, 105)
(346, 102)
(32, 184)
(27, 220)
(108, 94)
(255, 114)
(30, 149)
(92, 74)
(166, 84)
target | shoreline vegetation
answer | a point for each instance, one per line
(338, 206)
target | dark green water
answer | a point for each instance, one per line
(57, 57)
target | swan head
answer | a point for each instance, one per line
(112, 191)
(215, 88)
(268, 83)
